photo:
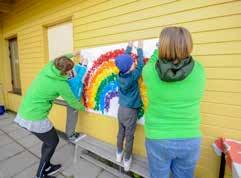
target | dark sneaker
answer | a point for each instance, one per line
(52, 169)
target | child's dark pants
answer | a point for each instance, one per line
(127, 124)
(72, 118)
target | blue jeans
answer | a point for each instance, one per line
(176, 157)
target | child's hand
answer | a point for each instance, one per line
(85, 61)
(76, 54)
(140, 44)
(81, 58)
(130, 43)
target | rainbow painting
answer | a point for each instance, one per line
(100, 93)
(100, 84)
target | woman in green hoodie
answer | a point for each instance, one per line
(175, 85)
(49, 84)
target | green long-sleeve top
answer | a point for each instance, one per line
(173, 107)
(44, 89)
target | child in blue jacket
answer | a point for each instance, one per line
(129, 101)
(75, 82)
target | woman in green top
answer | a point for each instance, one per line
(49, 84)
(175, 85)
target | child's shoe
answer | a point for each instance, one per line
(119, 156)
(75, 138)
(127, 164)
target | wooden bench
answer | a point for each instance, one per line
(108, 152)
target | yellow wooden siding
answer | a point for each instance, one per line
(2, 100)
(1, 52)
(216, 30)
(58, 117)
(13, 101)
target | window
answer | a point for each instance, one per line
(60, 39)
(14, 63)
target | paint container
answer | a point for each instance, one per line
(2, 110)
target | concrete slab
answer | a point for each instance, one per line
(29, 141)
(5, 122)
(82, 169)
(10, 127)
(19, 133)
(64, 156)
(36, 149)
(5, 140)
(62, 142)
(17, 164)
(28, 172)
(8, 115)
(1, 132)
(9, 150)
(106, 174)
(3, 116)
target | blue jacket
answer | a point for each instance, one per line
(129, 93)
(76, 83)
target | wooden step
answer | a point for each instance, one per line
(108, 152)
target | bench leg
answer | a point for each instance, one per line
(77, 149)
(120, 168)
(222, 166)
(76, 153)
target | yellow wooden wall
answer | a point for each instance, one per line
(1, 51)
(216, 30)
(1, 59)
(1, 66)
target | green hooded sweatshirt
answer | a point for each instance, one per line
(44, 89)
(173, 109)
